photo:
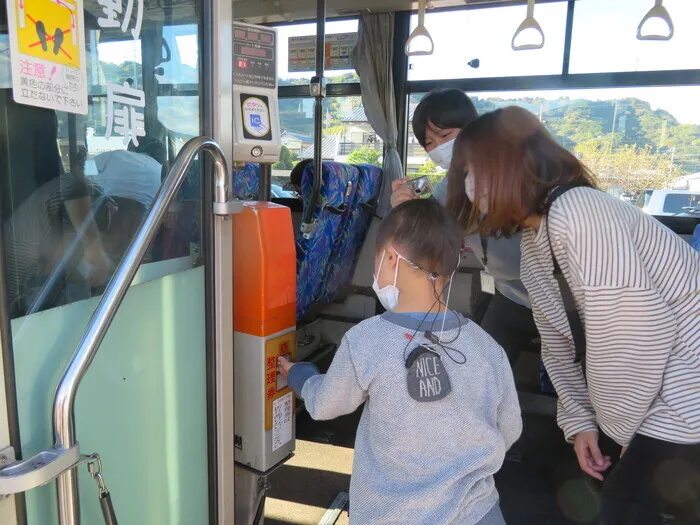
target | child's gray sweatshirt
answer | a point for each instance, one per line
(419, 461)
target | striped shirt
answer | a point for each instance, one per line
(636, 286)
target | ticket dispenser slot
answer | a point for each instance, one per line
(264, 305)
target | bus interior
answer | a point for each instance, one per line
(165, 304)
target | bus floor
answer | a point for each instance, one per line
(545, 488)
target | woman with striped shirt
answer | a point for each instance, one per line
(616, 298)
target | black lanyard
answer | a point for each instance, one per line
(485, 249)
(575, 324)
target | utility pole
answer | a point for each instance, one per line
(612, 141)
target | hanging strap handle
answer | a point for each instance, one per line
(528, 23)
(419, 32)
(658, 11)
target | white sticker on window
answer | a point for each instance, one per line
(282, 421)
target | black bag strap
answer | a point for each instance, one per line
(575, 324)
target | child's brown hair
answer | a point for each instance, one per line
(424, 232)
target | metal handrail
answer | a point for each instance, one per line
(64, 400)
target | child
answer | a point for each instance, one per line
(441, 407)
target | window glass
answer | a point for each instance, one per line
(463, 38)
(678, 203)
(180, 48)
(634, 139)
(347, 135)
(83, 183)
(284, 33)
(5, 67)
(604, 25)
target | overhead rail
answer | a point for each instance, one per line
(420, 36)
(529, 23)
(658, 11)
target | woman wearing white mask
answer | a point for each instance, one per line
(504, 308)
(616, 296)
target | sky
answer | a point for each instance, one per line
(604, 40)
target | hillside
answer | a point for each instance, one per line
(577, 122)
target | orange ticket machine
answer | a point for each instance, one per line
(264, 320)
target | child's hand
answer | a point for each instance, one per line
(283, 366)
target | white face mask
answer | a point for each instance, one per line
(470, 189)
(442, 155)
(389, 295)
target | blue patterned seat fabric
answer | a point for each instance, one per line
(338, 188)
(346, 250)
(246, 182)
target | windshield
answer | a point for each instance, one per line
(680, 202)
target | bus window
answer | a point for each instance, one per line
(634, 139)
(475, 43)
(5, 67)
(601, 25)
(348, 136)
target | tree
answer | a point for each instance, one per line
(365, 155)
(340, 130)
(287, 160)
(628, 167)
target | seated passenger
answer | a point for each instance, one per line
(441, 403)
(295, 175)
(135, 174)
(132, 178)
(41, 229)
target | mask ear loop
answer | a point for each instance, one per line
(437, 341)
(396, 271)
(449, 293)
(381, 261)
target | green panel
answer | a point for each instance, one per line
(142, 404)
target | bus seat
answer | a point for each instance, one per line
(352, 237)
(246, 182)
(338, 188)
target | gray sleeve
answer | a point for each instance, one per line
(440, 191)
(510, 419)
(337, 392)
(299, 374)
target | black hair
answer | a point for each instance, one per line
(297, 171)
(152, 147)
(424, 232)
(445, 109)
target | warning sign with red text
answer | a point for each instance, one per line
(47, 50)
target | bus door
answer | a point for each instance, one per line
(74, 187)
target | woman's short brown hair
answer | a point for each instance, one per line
(516, 163)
